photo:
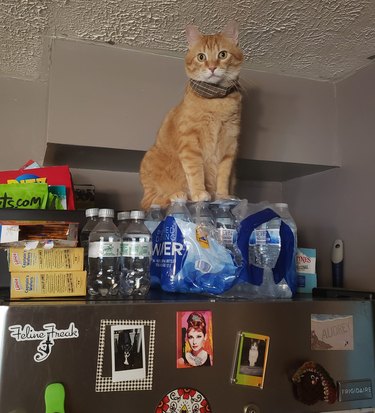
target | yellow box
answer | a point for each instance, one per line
(54, 259)
(47, 284)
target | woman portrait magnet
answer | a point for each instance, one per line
(251, 359)
(194, 339)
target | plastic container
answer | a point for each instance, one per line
(123, 219)
(91, 221)
(104, 254)
(135, 260)
(179, 210)
(153, 217)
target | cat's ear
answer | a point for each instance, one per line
(231, 31)
(192, 34)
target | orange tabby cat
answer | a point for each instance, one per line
(196, 145)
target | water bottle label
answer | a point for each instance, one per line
(169, 250)
(263, 236)
(102, 249)
(136, 249)
(227, 236)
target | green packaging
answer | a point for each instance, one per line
(23, 196)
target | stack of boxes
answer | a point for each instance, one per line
(41, 272)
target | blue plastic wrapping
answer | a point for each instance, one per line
(190, 261)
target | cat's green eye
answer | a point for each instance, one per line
(201, 57)
(223, 54)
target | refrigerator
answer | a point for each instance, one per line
(307, 348)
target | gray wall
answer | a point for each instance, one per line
(23, 119)
(340, 203)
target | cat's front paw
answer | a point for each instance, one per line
(200, 196)
(177, 196)
(219, 196)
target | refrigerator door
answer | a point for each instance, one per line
(76, 343)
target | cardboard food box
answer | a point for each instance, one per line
(15, 233)
(37, 284)
(53, 259)
(306, 270)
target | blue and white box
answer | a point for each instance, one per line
(306, 270)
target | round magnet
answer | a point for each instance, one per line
(183, 400)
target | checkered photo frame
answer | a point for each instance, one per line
(105, 384)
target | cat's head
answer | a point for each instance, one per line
(214, 58)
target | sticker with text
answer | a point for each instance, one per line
(331, 332)
(46, 337)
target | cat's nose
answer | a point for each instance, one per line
(212, 68)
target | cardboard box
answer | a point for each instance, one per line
(54, 259)
(84, 196)
(35, 284)
(306, 270)
(16, 233)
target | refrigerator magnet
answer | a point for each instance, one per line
(250, 359)
(183, 400)
(332, 332)
(194, 339)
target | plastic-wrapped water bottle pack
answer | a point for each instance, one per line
(229, 249)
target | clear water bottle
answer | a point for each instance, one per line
(204, 220)
(264, 251)
(265, 244)
(136, 252)
(179, 210)
(123, 219)
(91, 221)
(201, 213)
(104, 253)
(153, 217)
(283, 210)
(225, 225)
(227, 229)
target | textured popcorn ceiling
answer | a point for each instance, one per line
(318, 39)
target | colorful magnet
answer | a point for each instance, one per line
(54, 396)
(251, 359)
(311, 383)
(183, 400)
(194, 339)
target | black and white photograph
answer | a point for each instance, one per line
(128, 352)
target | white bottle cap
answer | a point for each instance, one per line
(92, 212)
(281, 205)
(123, 215)
(137, 214)
(106, 213)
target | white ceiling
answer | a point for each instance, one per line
(317, 39)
